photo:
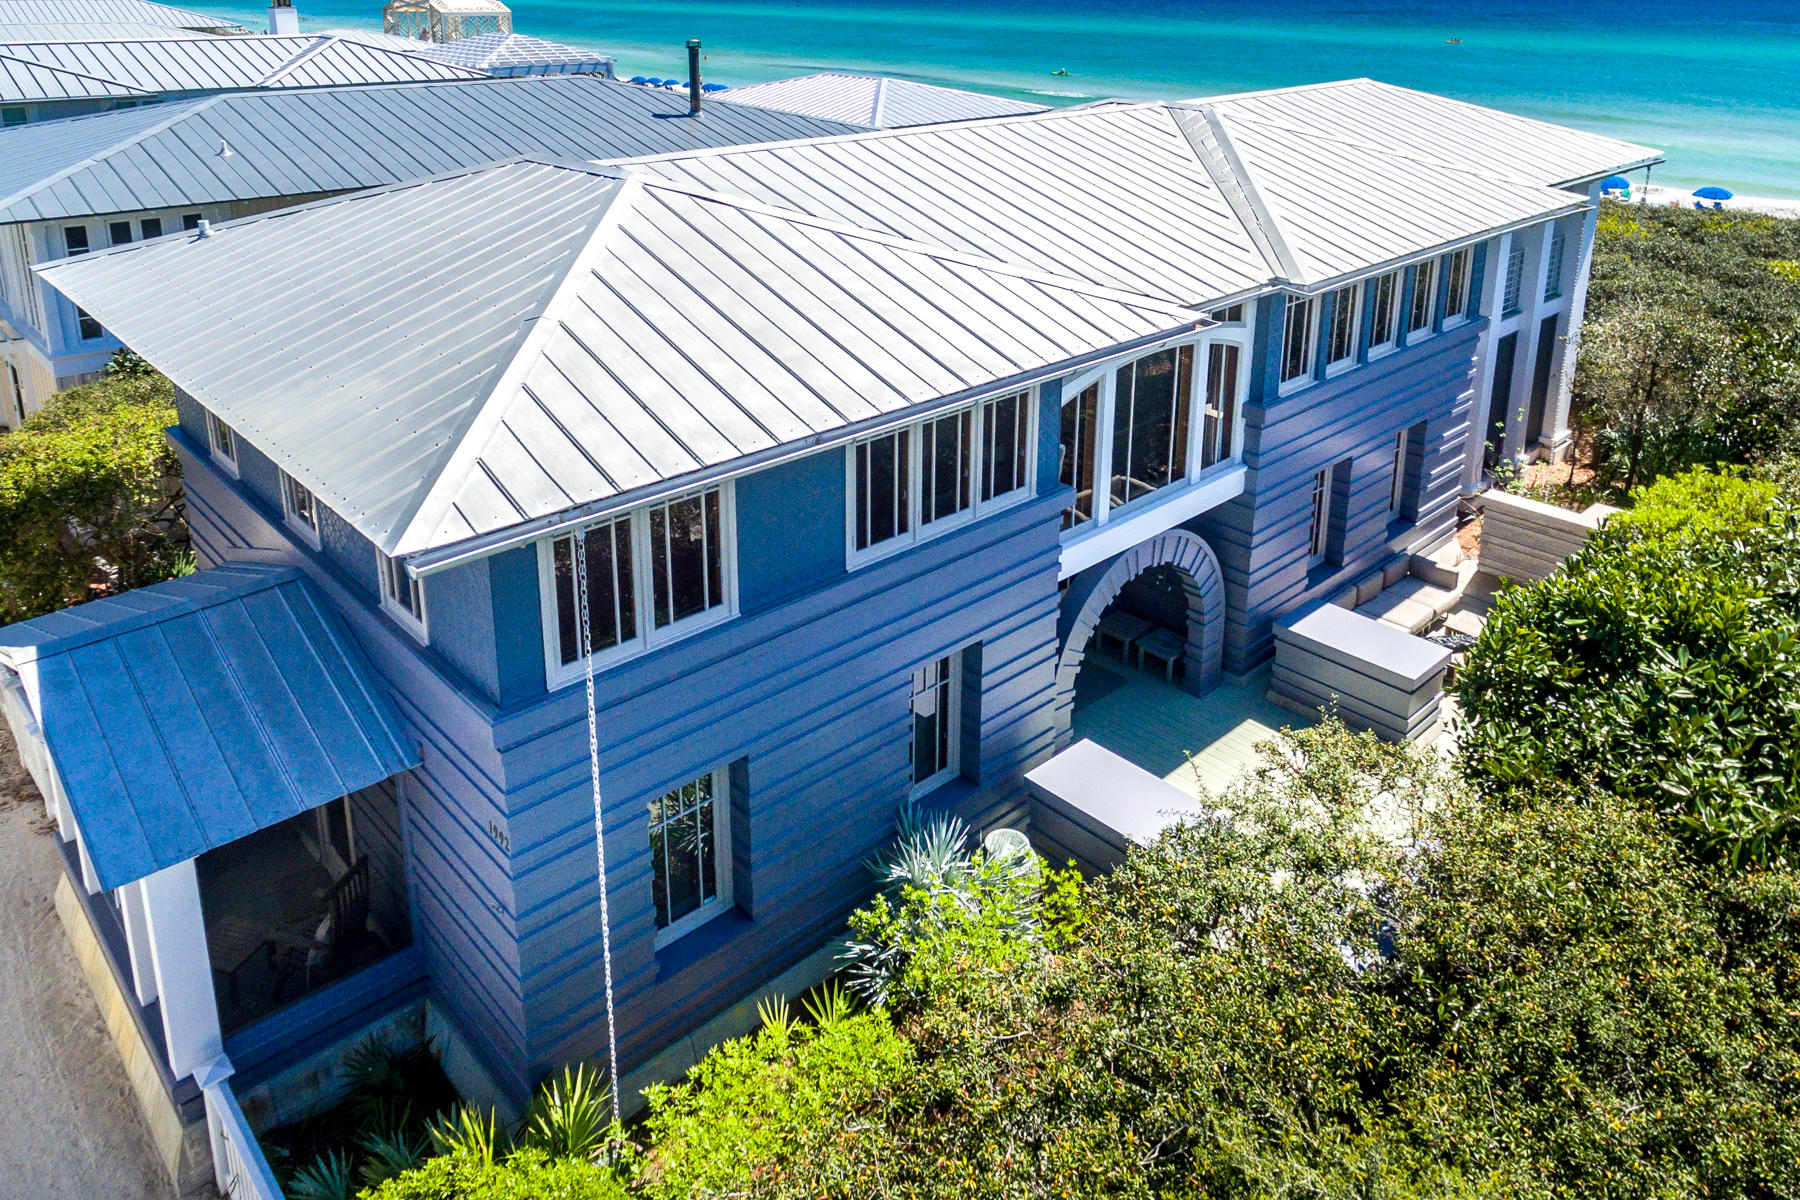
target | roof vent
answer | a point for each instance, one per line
(693, 79)
(224, 148)
(203, 229)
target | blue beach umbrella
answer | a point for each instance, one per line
(712, 87)
(640, 79)
(1712, 193)
(1615, 183)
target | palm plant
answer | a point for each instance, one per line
(571, 1116)
(470, 1132)
(386, 1155)
(327, 1177)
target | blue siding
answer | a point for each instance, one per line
(790, 522)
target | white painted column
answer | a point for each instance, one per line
(1532, 309)
(1493, 291)
(1563, 380)
(176, 932)
(137, 941)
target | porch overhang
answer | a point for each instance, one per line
(174, 719)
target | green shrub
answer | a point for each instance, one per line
(527, 1174)
(1662, 663)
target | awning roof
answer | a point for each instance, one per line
(186, 715)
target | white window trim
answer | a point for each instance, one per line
(560, 674)
(418, 626)
(952, 768)
(307, 533)
(1396, 319)
(917, 533)
(1337, 367)
(1309, 374)
(721, 902)
(226, 459)
(1412, 337)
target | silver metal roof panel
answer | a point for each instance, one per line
(90, 12)
(505, 53)
(877, 102)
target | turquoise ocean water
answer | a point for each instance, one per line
(1715, 85)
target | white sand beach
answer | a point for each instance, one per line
(1683, 198)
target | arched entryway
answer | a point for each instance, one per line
(1202, 587)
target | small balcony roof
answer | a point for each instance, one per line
(189, 714)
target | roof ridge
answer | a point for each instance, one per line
(186, 110)
(1206, 134)
(880, 100)
(430, 505)
(304, 55)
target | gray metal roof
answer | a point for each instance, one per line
(1454, 132)
(23, 79)
(304, 142)
(516, 54)
(208, 63)
(100, 12)
(498, 346)
(877, 102)
(96, 31)
(188, 714)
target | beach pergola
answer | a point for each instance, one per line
(445, 20)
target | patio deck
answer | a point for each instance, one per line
(1192, 742)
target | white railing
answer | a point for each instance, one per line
(238, 1163)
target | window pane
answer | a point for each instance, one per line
(709, 853)
(1221, 403)
(562, 555)
(1423, 298)
(151, 227)
(614, 593)
(1076, 453)
(882, 494)
(1149, 433)
(931, 708)
(120, 232)
(679, 559)
(1003, 445)
(1297, 337)
(715, 550)
(682, 840)
(944, 467)
(1343, 323)
(659, 864)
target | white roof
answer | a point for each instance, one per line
(876, 101)
(501, 345)
(1404, 121)
(101, 12)
(511, 52)
(203, 63)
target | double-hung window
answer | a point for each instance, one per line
(402, 596)
(1080, 414)
(1384, 313)
(1459, 269)
(1346, 324)
(936, 709)
(1554, 269)
(1397, 486)
(1318, 536)
(223, 443)
(1424, 298)
(1150, 423)
(913, 483)
(1223, 362)
(300, 509)
(1515, 282)
(690, 854)
(654, 574)
(1297, 338)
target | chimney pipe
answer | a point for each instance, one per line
(693, 77)
(283, 20)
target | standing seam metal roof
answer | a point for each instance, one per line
(90, 12)
(304, 142)
(512, 52)
(188, 714)
(877, 102)
(587, 336)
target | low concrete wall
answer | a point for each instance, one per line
(1373, 675)
(1525, 540)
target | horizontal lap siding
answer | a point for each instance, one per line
(814, 693)
(458, 876)
(1261, 538)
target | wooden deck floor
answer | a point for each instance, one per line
(1193, 742)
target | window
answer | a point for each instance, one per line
(190, 221)
(402, 596)
(1297, 339)
(1346, 321)
(88, 325)
(1219, 425)
(223, 443)
(11, 116)
(1150, 422)
(150, 227)
(1515, 282)
(1397, 488)
(916, 482)
(1424, 297)
(1553, 273)
(119, 233)
(300, 509)
(936, 724)
(1384, 313)
(1077, 452)
(654, 574)
(690, 847)
(75, 239)
(1459, 268)
(1319, 533)
(1231, 315)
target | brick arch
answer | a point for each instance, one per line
(1204, 587)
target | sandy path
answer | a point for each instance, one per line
(69, 1126)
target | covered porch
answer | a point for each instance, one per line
(226, 777)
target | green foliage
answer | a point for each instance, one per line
(331, 1176)
(469, 1132)
(1690, 352)
(1661, 663)
(526, 1174)
(90, 495)
(748, 1110)
(572, 1116)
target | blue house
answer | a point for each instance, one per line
(724, 501)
